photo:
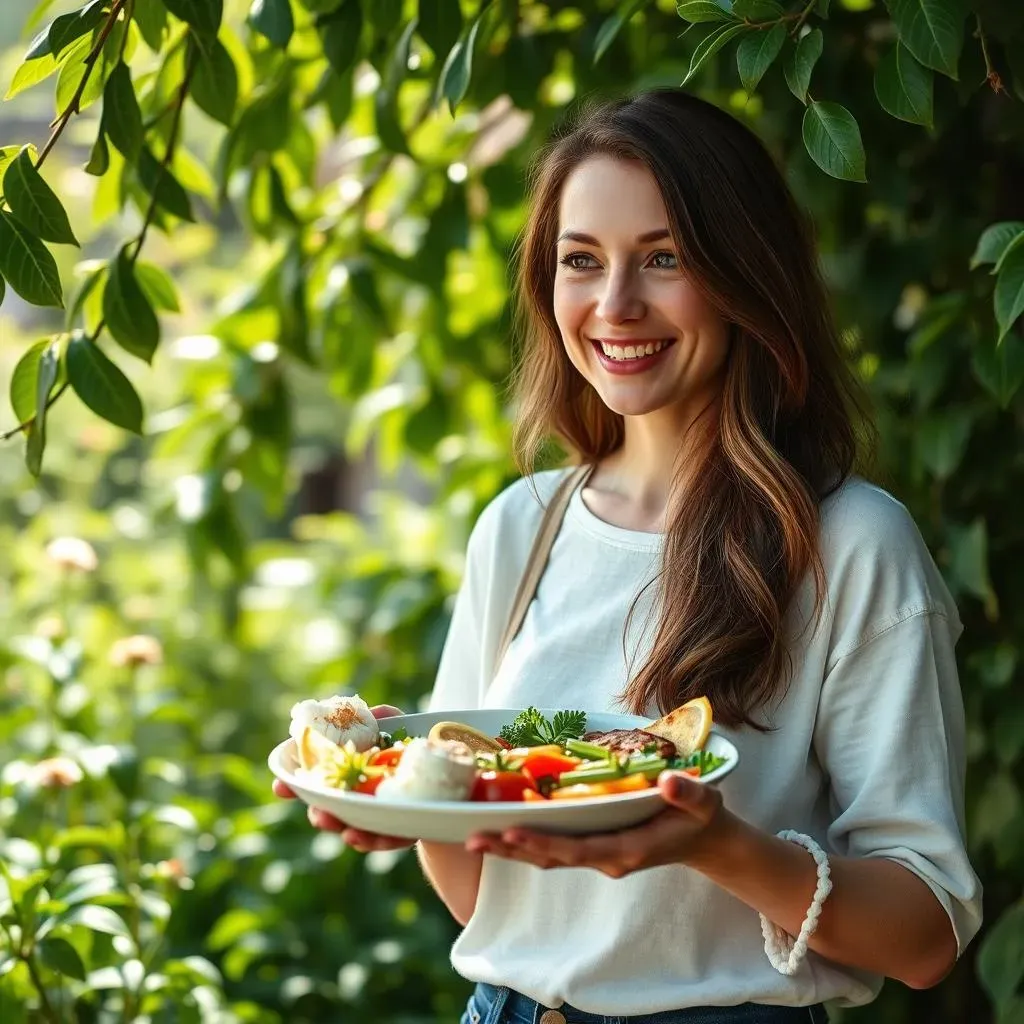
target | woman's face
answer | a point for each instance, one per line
(631, 321)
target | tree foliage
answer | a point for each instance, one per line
(326, 195)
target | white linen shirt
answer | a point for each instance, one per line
(866, 754)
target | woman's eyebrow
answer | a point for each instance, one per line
(578, 236)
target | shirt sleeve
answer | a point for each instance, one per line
(891, 737)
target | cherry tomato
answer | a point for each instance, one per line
(386, 758)
(539, 766)
(495, 787)
(368, 785)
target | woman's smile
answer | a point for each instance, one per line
(632, 356)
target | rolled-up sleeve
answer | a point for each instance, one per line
(890, 734)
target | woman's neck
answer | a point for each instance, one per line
(632, 487)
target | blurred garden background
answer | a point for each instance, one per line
(255, 334)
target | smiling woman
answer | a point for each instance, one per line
(712, 543)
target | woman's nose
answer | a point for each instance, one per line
(620, 300)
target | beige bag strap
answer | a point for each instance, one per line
(550, 524)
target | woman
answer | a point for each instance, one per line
(678, 343)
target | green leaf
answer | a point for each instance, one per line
(273, 19)
(158, 287)
(340, 33)
(389, 127)
(103, 388)
(995, 240)
(613, 25)
(968, 559)
(66, 29)
(99, 157)
(440, 24)
(74, 69)
(27, 265)
(1009, 294)
(203, 16)
(96, 918)
(34, 203)
(800, 65)
(59, 955)
(757, 10)
(161, 184)
(151, 18)
(8, 154)
(122, 118)
(1001, 955)
(832, 138)
(23, 381)
(1000, 367)
(215, 84)
(756, 52)
(903, 87)
(127, 312)
(458, 68)
(3, 290)
(698, 12)
(30, 73)
(932, 30)
(710, 45)
(942, 440)
(46, 377)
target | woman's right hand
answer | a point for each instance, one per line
(364, 842)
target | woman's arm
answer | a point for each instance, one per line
(879, 916)
(454, 873)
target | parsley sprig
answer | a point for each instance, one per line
(531, 729)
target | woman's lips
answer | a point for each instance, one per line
(635, 365)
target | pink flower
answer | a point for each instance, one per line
(56, 773)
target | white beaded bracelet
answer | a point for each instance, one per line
(783, 952)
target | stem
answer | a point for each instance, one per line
(172, 144)
(991, 75)
(804, 14)
(90, 62)
(44, 1000)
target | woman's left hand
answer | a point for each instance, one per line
(680, 834)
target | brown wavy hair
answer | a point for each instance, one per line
(784, 435)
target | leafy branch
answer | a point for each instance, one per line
(91, 59)
(174, 135)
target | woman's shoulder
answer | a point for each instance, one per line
(877, 565)
(510, 520)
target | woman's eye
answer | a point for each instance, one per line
(578, 261)
(664, 261)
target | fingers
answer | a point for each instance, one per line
(386, 711)
(370, 842)
(322, 820)
(686, 793)
(281, 790)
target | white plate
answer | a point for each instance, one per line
(449, 821)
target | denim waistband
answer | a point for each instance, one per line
(492, 1004)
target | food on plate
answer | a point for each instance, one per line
(341, 719)
(632, 741)
(477, 741)
(534, 759)
(431, 769)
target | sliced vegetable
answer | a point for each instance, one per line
(547, 766)
(499, 787)
(591, 751)
(582, 790)
(386, 758)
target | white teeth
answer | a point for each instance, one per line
(623, 352)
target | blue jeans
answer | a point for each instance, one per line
(491, 1005)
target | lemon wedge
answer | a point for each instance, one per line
(315, 749)
(687, 726)
(476, 740)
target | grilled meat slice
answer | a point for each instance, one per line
(632, 741)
